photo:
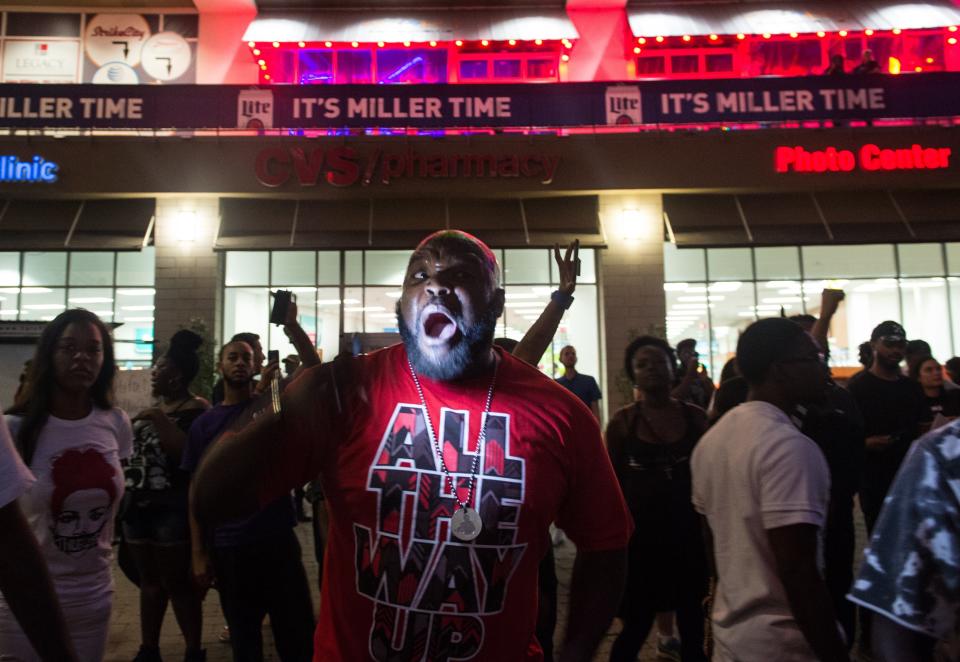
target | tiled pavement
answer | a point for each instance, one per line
(125, 626)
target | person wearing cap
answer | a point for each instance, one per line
(892, 407)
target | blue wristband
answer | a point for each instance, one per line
(563, 300)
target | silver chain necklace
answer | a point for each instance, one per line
(466, 522)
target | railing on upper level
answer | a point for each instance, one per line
(453, 109)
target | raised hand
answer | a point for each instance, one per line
(568, 266)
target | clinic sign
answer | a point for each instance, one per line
(868, 157)
(344, 166)
(35, 170)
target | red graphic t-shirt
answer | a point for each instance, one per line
(397, 584)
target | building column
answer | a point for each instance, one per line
(631, 283)
(187, 269)
(223, 58)
(605, 38)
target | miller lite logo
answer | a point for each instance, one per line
(623, 105)
(255, 109)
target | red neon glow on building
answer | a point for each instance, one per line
(681, 56)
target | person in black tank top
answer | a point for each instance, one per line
(650, 443)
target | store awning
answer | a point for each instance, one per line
(788, 219)
(698, 19)
(123, 224)
(411, 25)
(248, 224)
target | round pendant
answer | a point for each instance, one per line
(466, 524)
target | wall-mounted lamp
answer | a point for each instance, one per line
(631, 224)
(185, 227)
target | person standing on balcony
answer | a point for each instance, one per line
(836, 67)
(867, 65)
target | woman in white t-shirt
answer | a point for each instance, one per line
(72, 439)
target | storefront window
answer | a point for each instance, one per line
(365, 300)
(136, 269)
(540, 68)
(686, 264)
(794, 57)
(651, 65)
(408, 66)
(953, 259)
(685, 64)
(44, 268)
(920, 259)
(507, 69)
(869, 260)
(731, 305)
(526, 265)
(315, 67)
(386, 267)
(925, 311)
(353, 267)
(777, 262)
(473, 69)
(328, 267)
(247, 309)
(296, 268)
(55, 281)
(719, 63)
(353, 310)
(247, 267)
(908, 283)
(9, 268)
(42, 303)
(354, 67)
(100, 300)
(688, 317)
(91, 268)
(729, 264)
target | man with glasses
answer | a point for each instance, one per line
(763, 487)
(891, 405)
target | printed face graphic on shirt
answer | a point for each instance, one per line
(78, 524)
(429, 591)
(82, 500)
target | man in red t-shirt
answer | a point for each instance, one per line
(444, 461)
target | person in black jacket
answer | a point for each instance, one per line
(837, 427)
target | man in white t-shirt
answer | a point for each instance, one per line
(24, 580)
(763, 487)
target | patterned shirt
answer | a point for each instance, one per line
(911, 570)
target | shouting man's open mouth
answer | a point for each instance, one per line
(439, 325)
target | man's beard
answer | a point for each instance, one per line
(237, 383)
(463, 359)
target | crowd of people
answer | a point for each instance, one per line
(723, 513)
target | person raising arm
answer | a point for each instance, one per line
(518, 452)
